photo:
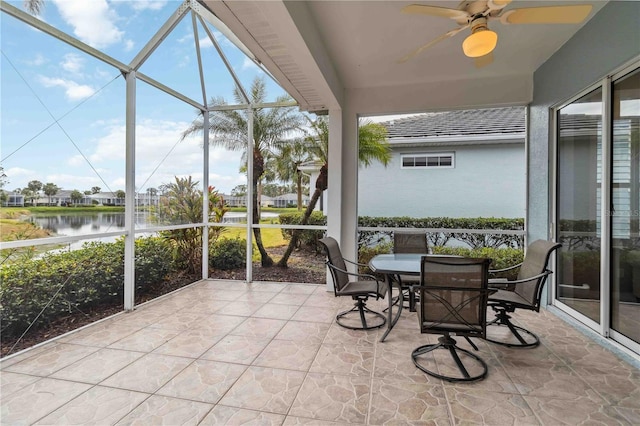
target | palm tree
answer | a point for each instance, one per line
(228, 129)
(372, 147)
(33, 6)
(286, 163)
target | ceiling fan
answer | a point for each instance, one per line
(477, 14)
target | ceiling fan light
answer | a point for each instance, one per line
(480, 43)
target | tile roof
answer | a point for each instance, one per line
(476, 122)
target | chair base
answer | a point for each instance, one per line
(448, 343)
(361, 308)
(525, 338)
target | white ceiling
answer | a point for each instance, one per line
(327, 52)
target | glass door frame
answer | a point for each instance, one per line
(604, 326)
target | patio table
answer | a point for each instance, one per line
(391, 265)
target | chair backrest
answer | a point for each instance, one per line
(453, 295)
(336, 263)
(535, 263)
(410, 242)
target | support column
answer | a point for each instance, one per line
(249, 194)
(130, 192)
(349, 188)
(205, 195)
(334, 172)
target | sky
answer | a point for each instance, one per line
(63, 111)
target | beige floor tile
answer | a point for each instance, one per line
(276, 311)
(230, 295)
(476, 406)
(396, 365)
(148, 374)
(221, 415)
(168, 411)
(205, 381)
(407, 403)
(145, 340)
(103, 334)
(243, 309)
(97, 366)
(190, 343)
(315, 314)
(265, 389)
(179, 321)
(256, 297)
(97, 406)
(35, 401)
(218, 323)
(293, 421)
(53, 359)
(287, 354)
(138, 318)
(28, 353)
(309, 332)
(334, 398)
(236, 349)
(300, 288)
(266, 286)
(338, 334)
(262, 328)
(619, 386)
(336, 358)
(13, 382)
(289, 299)
(582, 410)
(206, 306)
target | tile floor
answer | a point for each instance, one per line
(221, 352)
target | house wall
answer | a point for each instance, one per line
(487, 181)
(609, 40)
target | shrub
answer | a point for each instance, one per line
(307, 237)
(501, 257)
(228, 253)
(74, 281)
(365, 254)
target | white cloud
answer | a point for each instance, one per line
(73, 63)
(148, 4)
(73, 90)
(76, 160)
(248, 64)
(37, 61)
(93, 21)
(128, 45)
(205, 42)
(79, 182)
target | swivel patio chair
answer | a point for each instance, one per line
(523, 293)
(360, 290)
(453, 301)
(405, 241)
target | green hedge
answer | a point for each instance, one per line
(308, 238)
(81, 279)
(228, 253)
(501, 257)
(371, 238)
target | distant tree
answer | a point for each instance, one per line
(95, 189)
(50, 189)
(120, 193)
(239, 191)
(152, 192)
(76, 196)
(35, 186)
(3, 181)
(87, 192)
(33, 6)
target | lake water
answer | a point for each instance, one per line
(98, 223)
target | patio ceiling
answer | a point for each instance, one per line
(331, 53)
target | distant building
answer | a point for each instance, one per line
(291, 199)
(450, 164)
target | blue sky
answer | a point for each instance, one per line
(43, 77)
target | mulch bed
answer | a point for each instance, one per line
(304, 267)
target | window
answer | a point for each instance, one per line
(435, 160)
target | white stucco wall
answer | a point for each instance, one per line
(487, 181)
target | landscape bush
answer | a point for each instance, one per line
(228, 253)
(500, 257)
(62, 283)
(371, 238)
(308, 238)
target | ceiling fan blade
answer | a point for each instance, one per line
(572, 14)
(483, 61)
(443, 12)
(431, 43)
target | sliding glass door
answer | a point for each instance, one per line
(625, 212)
(597, 277)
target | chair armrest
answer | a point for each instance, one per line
(356, 263)
(526, 280)
(353, 274)
(495, 271)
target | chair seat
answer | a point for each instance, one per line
(409, 279)
(428, 326)
(355, 288)
(505, 296)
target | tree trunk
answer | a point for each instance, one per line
(299, 183)
(258, 170)
(321, 185)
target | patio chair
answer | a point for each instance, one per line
(360, 291)
(523, 293)
(409, 242)
(453, 301)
